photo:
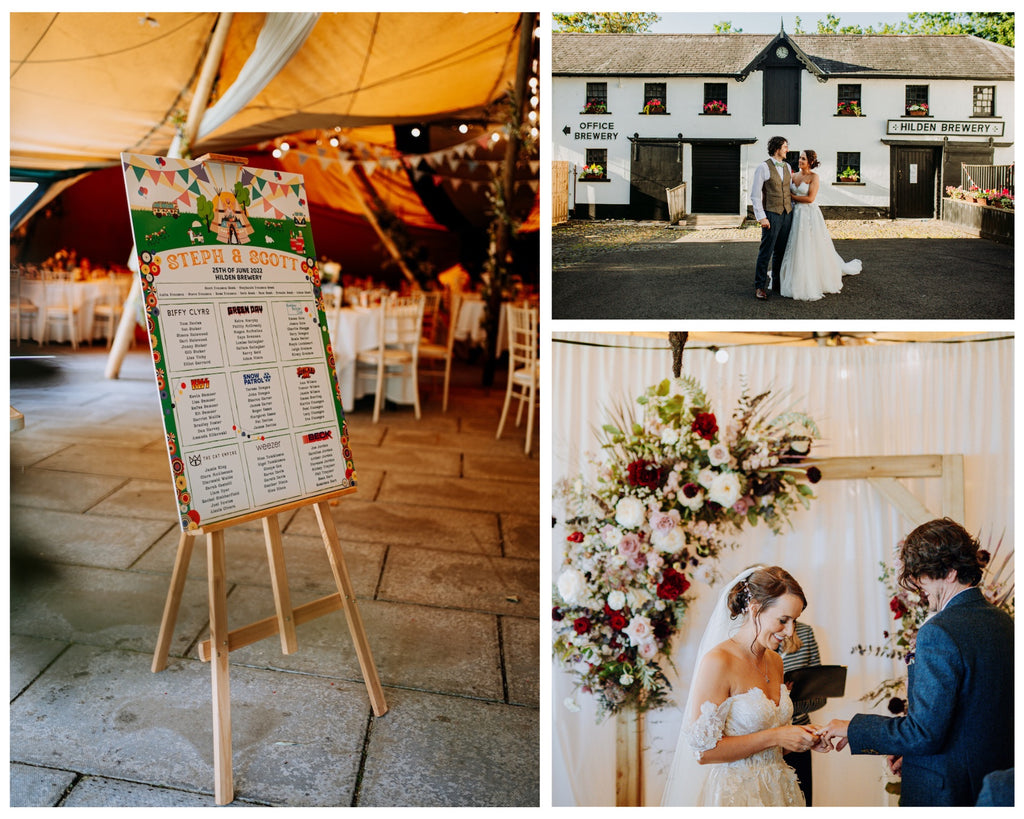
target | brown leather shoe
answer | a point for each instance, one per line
(761, 294)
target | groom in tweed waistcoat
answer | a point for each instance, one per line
(959, 722)
(773, 209)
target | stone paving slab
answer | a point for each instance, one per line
(443, 751)
(522, 536)
(510, 444)
(296, 739)
(106, 607)
(429, 649)
(482, 466)
(33, 787)
(521, 641)
(140, 498)
(29, 656)
(401, 524)
(125, 461)
(48, 489)
(480, 494)
(101, 792)
(478, 583)
(305, 557)
(88, 540)
(29, 448)
(388, 457)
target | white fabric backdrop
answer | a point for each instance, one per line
(903, 399)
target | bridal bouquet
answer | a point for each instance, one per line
(671, 489)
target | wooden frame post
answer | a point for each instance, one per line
(222, 641)
(882, 472)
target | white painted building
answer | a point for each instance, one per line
(924, 104)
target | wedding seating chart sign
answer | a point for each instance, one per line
(244, 366)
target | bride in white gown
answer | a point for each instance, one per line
(811, 266)
(737, 720)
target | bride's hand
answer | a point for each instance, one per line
(822, 744)
(794, 738)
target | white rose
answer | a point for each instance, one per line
(616, 600)
(611, 536)
(718, 454)
(706, 476)
(629, 513)
(572, 586)
(639, 630)
(694, 503)
(725, 489)
(648, 649)
(670, 436)
(670, 541)
(626, 679)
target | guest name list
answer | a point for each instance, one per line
(251, 411)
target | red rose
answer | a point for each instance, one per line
(644, 473)
(581, 625)
(705, 425)
(898, 609)
(672, 585)
(575, 537)
(617, 621)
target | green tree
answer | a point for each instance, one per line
(611, 22)
(242, 195)
(996, 26)
(725, 27)
(204, 209)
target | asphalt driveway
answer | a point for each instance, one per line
(667, 274)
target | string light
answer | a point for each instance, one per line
(463, 128)
(415, 132)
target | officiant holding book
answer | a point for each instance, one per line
(801, 651)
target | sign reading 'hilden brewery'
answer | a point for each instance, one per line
(896, 127)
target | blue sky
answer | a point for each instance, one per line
(764, 22)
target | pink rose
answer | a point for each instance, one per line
(664, 522)
(629, 545)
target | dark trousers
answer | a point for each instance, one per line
(800, 761)
(773, 247)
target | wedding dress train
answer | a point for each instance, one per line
(811, 266)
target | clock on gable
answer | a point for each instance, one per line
(782, 52)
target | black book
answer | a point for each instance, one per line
(816, 681)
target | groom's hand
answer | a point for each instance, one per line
(837, 729)
(765, 223)
(895, 764)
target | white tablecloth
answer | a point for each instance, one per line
(470, 325)
(352, 330)
(84, 296)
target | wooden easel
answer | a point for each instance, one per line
(222, 642)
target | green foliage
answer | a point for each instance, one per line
(204, 209)
(996, 26)
(725, 27)
(609, 22)
(242, 195)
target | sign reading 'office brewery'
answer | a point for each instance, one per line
(596, 130)
(939, 127)
(250, 398)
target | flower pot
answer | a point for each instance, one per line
(917, 113)
(982, 200)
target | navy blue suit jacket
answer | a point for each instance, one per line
(959, 723)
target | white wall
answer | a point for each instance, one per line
(819, 130)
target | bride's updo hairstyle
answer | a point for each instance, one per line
(812, 158)
(763, 586)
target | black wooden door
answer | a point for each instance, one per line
(782, 96)
(716, 179)
(654, 167)
(913, 171)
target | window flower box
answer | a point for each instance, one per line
(592, 172)
(849, 175)
(849, 109)
(716, 107)
(654, 107)
(918, 109)
(595, 107)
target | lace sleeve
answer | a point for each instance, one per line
(704, 732)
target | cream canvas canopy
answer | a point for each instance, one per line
(87, 86)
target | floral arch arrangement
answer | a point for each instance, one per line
(670, 491)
